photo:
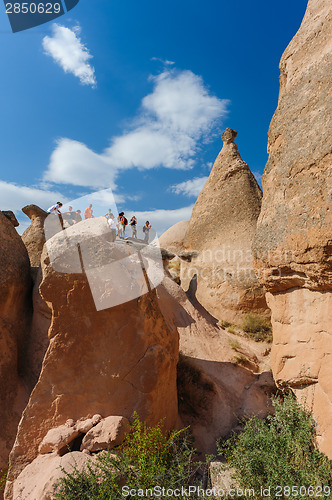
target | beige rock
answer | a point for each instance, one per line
(15, 315)
(293, 240)
(221, 229)
(111, 361)
(36, 481)
(109, 433)
(214, 390)
(34, 236)
(172, 239)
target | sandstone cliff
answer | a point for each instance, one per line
(15, 314)
(293, 240)
(34, 237)
(221, 229)
(107, 361)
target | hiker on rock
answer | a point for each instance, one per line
(88, 212)
(133, 224)
(55, 209)
(146, 230)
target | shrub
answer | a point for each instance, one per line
(3, 477)
(147, 458)
(279, 451)
(257, 328)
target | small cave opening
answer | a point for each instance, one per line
(74, 445)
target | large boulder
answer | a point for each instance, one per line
(101, 359)
(172, 239)
(293, 239)
(15, 314)
(221, 229)
(34, 237)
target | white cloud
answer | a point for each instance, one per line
(166, 62)
(67, 50)
(14, 197)
(192, 187)
(174, 119)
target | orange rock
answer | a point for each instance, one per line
(221, 229)
(293, 241)
(110, 362)
(15, 315)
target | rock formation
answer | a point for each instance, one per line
(172, 239)
(100, 360)
(293, 240)
(214, 388)
(34, 237)
(221, 229)
(15, 315)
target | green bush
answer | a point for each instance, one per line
(147, 458)
(279, 451)
(3, 477)
(257, 328)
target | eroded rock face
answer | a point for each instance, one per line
(293, 239)
(221, 229)
(214, 389)
(15, 314)
(172, 239)
(34, 237)
(110, 361)
(37, 480)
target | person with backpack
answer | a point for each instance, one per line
(146, 230)
(133, 224)
(123, 223)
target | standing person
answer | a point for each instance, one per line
(88, 212)
(55, 209)
(146, 229)
(78, 216)
(133, 224)
(113, 225)
(109, 213)
(70, 216)
(123, 223)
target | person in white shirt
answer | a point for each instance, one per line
(55, 209)
(113, 225)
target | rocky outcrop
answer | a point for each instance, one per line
(172, 239)
(36, 482)
(221, 377)
(221, 229)
(293, 240)
(15, 315)
(34, 237)
(101, 359)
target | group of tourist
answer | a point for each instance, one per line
(117, 225)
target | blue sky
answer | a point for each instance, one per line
(133, 96)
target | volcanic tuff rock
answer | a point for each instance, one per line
(221, 229)
(172, 239)
(34, 237)
(110, 361)
(15, 315)
(214, 389)
(293, 240)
